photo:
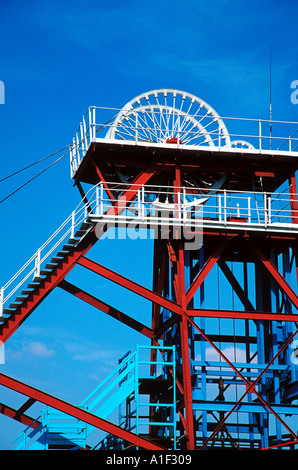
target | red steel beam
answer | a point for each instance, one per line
(250, 386)
(284, 286)
(173, 261)
(293, 198)
(18, 416)
(247, 315)
(76, 412)
(188, 403)
(58, 274)
(235, 285)
(106, 308)
(284, 444)
(128, 284)
(101, 177)
(197, 282)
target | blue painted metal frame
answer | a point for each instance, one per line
(60, 430)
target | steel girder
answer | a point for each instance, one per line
(182, 313)
(76, 412)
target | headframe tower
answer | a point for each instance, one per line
(222, 206)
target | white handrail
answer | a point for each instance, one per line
(97, 121)
(221, 207)
(64, 231)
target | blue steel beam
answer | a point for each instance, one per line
(253, 407)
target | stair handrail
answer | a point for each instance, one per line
(115, 371)
(78, 216)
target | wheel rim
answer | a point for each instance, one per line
(168, 115)
(171, 116)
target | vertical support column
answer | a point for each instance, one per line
(136, 371)
(248, 355)
(276, 334)
(288, 327)
(184, 326)
(188, 404)
(293, 197)
(201, 262)
(261, 349)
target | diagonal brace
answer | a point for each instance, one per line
(197, 282)
(106, 308)
(128, 284)
(282, 284)
(77, 412)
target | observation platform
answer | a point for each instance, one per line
(169, 128)
(240, 164)
(240, 179)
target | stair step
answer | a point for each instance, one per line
(51, 266)
(80, 233)
(85, 224)
(26, 292)
(33, 284)
(15, 305)
(45, 272)
(38, 278)
(62, 253)
(3, 318)
(9, 310)
(21, 298)
(56, 259)
(67, 247)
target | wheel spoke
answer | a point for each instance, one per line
(162, 114)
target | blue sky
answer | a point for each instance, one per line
(56, 60)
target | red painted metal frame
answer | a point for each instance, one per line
(128, 284)
(19, 416)
(282, 284)
(253, 315)
(106, 308)
(205, 271)
(250, 386)
(59, 273)
(53, 280)
(180, 312)
(184, 314)
(246, 315)
(178, 263)
(293, 199)
(187, 386)
(76, 412)
(102, 179)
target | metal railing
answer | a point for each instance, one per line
(245, 133)
(153, 206)
(31, 270)
(194, 207)
(59, 428)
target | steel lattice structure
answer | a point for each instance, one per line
(223, 210)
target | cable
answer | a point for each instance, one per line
(42, 159)
(32, 164)
(34, 177)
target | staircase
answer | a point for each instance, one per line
(47, 267)
(126, 383)
(57, 431)
(150, 409)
